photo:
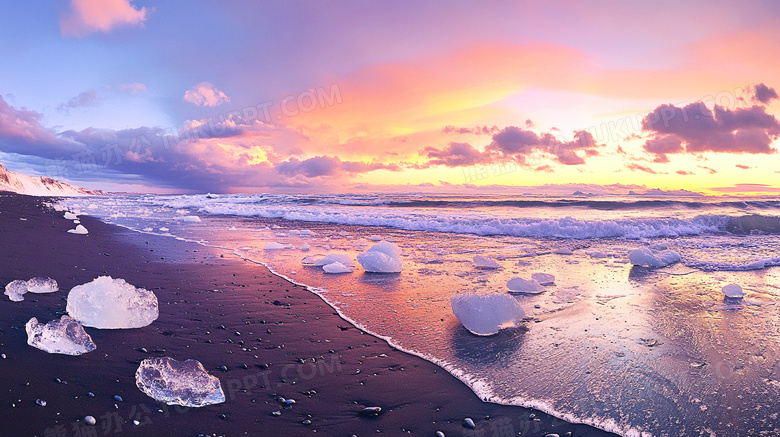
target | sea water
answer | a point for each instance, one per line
(628, 349)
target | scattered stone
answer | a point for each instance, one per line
(89, 420)
(483, 262)
(469, 423)
(733, 291)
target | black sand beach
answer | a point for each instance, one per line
(263, 337)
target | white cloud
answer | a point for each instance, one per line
(205, 94)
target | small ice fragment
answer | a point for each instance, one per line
(320, 261)
(343, 233)
(232, 228)
(15, 290)
(164, 229)
(543, 278)
(596, 254)
(108, 303)
(486, 314)
(305, 247)
(80, 229)
(483, 262)
(374, 238)
(522, 285)
(337, 267)
(174, 382)
(733, 291)
(563, 251)
(383, 257)
(189, 218)
(273, 245)
(42, 285)
(90, 420)
(645, 257)
(64, 336)
(147, 229)
(70, 216)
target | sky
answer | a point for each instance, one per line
(335, 96)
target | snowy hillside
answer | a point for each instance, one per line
(39, 186)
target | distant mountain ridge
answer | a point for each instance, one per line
(40, 185)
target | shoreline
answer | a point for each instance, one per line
(274, 337)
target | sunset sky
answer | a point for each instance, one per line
(317, 97)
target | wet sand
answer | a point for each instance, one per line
(263, 337)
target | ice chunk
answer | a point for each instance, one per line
(483, 262)
(596, 254)
(174, 382)
(383, 257)
(486, 314)
(374, 238)
(80, 229)
(305, 247)
(109, 303)
(70, 216)
(42, 285)
(337, 267)
(64, 336)
(645, 257)
(522, 285)
(164, 229)
(301, 232)
(273, 245)
(543, 278)
(189, 218)
(15, 290)
(320, 261)
(563, 251)
(733, 291)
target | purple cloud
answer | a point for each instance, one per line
(694, 128)
(764, 94)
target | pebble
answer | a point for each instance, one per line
(223, 368)
(89, 420)
(118, 398)
(306, 422)
(552, 435)
(439, 434)
(90, 394)
(469, 423)
(40, 402)
(371, 411)
(136, 423)
(3, 356)
(276, 413)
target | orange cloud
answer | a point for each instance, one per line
(89, 16)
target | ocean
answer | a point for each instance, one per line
(628, 349)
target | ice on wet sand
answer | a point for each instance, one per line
(80, 230)
(65, 336)
(522, 285)
(337, 267)
(174, 382)
(15, 290)
(383, 257)
(273, 245)
(70, 216)
(42, 285)
(109, 303)
(483, 262)
(486, 314)
(645, 257)
(321, 261)
(733, 291)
